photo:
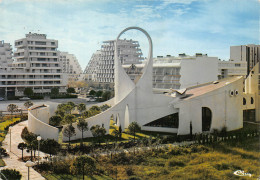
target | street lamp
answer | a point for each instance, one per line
(10, 137)
(29, 164)
(39, 139)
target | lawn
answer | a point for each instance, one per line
(2, 163)
(71, 177)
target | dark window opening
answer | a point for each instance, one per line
(252, 100)
(170, 121)
(206, 118)
(244, 101)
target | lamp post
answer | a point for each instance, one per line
(10, 137)
(29, 164)
(39, 139)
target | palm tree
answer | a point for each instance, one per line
(82, 125)
(12, 108)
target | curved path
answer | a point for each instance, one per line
(12, 161)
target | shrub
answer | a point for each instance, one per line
(63, 96)
(134, 178)
(175, 162)
(10, 174)
(129, 171)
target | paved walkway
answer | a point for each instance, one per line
(12, 161)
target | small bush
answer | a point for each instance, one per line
(175, 162)
(10, 174)
(129, 171)
(134, 178)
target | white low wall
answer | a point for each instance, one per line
(38, 119)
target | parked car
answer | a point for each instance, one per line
(24, 99)
(2, 99)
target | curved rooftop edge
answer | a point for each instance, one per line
(38, 122)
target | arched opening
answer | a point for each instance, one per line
(206, 119)
(252, 100)
(126, 116)
(244, 101)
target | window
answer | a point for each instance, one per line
(244, 101)
(170, 121)
(252, 100)
(237, 65)
(206, 118)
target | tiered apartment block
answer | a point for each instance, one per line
(36, 65)
(5, 55)
(70, 66)
(128, 52)
(91, 69)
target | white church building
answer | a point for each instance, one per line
(209, 106)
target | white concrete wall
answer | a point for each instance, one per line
(37, 123)
(226, 110)
(198, 71)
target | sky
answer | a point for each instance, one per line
(175, 26)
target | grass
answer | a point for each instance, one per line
(112, 139)
(71, 177)
(218, 161)
(2, 163)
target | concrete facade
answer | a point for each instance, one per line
(6, 53)
(70, 66)
(36, 65)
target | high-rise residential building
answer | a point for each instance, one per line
(128, 52)
(6, 59)
(247, 53)
(70, 66)
(36, 65)
(178, 72)
(90, 71)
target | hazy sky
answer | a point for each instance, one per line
(176, 26)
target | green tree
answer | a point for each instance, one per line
(106, 95)
(134, 128)
(1, 115)
(104, 107)
(94, 108)
(81, 107)
(28, 91)
(82, 125)
(84, 165)
(69, 131)
(92, 93)
(99, 93)
(28, 104)
(117, 134)
(69, 118)
(12, 108)
(55, 91)
(60, 112)
(98, 132)
(71, 90)
(50, 146)
(86, 114)
(71, 105)
(22, 146)
(67, 108)
(55, 120)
